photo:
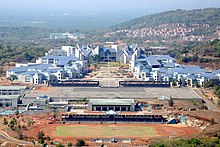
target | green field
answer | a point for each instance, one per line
(104, 131)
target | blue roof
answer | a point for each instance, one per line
(162, 57)
(153, 62)
(191, 76)
(216, 71)
(179, 70)
(38, 69)
(145, 70)
(163, 70)
(195, 69)
(172, 65)
(188, 70)
(209, 75)
(31, 73)
(22, 69)
(71, 57)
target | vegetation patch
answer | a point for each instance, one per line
(104, 131)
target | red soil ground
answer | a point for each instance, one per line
(161, 131)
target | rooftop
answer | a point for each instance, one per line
(9, 96)
(13, 87)
(111, 101)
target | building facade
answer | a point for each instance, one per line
(10, 95)
(111, 104)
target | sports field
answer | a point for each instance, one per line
(104, 131)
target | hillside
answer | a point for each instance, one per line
(208, 49)
(209, 16)
(205, 54)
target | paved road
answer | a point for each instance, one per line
(5, 137)
(209, 103)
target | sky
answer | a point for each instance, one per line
(142, 6)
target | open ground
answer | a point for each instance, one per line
(70, 131)
(123, 92)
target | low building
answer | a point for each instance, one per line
(10, 95)
(111, 104)
(42, 100)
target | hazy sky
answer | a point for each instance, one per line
(143, 6)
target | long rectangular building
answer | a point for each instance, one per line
(111, 104)
(9, 95)
(118, 118)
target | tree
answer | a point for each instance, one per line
(20, 136)
(19, 126)
(194, 142)
(40, 137)
(170, 102)
(1, 70)
(59, 145)
(12, 78)
(5, 122)
(212, 121)
(12, 124)
(24, 127)
(30, 122)
(69, 144)
(48, 138)
(55, 113)
(208, 84)
(16, 112)
(80, 142)
(217, 90)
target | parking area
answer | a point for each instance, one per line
(122, 92)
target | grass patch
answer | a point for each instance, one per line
(105, 131)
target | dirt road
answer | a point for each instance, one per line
(5, 137)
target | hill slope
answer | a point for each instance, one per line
(209, 16)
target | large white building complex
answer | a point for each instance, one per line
(71, 62)
(163, 68)
(57, 65)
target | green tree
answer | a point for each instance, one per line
(20, 136)
(30, 122)
(1, 71)
(194, 141)
(40, 137)
(55, 113)
(208, 84)
(170, 102)
(217, 90)
(48, 138)
(59, 145)
(16, 112)
(24, 127)
(12, 124)
(212, 121)
(80, 142)
(12, 78)
(69, 144)
(5, 122)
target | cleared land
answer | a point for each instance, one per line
(105, 131)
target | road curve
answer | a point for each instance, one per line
(5, 137)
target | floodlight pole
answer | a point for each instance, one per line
(108, 71)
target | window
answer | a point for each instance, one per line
(27, 79)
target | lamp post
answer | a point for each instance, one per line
(108, 71)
